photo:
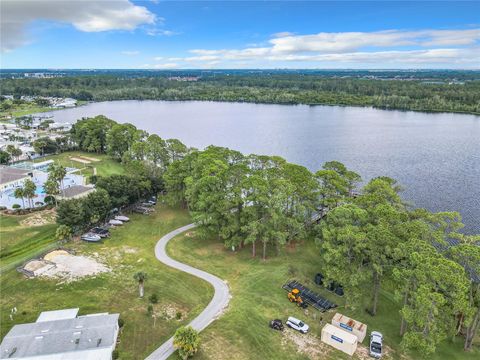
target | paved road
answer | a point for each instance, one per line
(212, 311)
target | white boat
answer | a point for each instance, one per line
(122, 218)
(115, 222)
(91, 237)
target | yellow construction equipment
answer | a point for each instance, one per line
(294, 297)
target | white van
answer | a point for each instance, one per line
(298, 325)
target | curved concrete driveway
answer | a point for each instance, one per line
(215, 307)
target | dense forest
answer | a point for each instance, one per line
(277, 88)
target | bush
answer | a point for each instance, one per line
(121, 322)
(3, 208)
(149, 309)
(186, 340)
(16, 206)
(115, 354)
(178, 315)
(153, 298)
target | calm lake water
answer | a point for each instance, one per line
(436, 157)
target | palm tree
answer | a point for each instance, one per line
(51, 188)
(29, 189)
(140, 277)
(18, 194)
(58, 172)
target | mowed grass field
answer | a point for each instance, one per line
(105, 165)
(19, 240)
(129, 249)
(243, 332)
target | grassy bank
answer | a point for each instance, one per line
(127, 251)
(27, 108)
(243, 332)
(20, 240)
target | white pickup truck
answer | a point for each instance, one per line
(376, 343)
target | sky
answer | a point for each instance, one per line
(155, 34)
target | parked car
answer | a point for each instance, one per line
(276, 324)
(91, 237)
(103, 233)
(115, 222)
(376, 342)
(122, 218)
(298, 325)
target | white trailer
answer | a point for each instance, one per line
(339, 339)
(355, 327)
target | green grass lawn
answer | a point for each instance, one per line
(104, 167)
(27, 109)
(129, 249)
(243, 332)
(20, 242)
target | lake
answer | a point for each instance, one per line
(436, 157)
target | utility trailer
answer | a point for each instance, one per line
(310, 297)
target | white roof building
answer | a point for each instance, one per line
(62, 335)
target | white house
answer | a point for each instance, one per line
(62, 335)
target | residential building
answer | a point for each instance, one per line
(63, 335)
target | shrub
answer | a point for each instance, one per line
(186, 340)
(149, 309)
(121, 322)
(115, 354)
(153, 298)
(16, 206)
(178, 315)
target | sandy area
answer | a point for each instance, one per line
(83, 161)
(90, 158)
(70, 267)
(39, 218)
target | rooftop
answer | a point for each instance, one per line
(8, 174)
(75, 190)
(69, 335)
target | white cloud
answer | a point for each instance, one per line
(171, 65)
(161, 32)
(282, 34)
(376, 49)
(130, 52)
(88, 16)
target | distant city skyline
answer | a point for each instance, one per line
(156, 34)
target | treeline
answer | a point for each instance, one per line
(145, 158)
(275, 89)
(363, 239)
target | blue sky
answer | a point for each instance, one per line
(228, 34)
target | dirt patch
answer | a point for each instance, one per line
(70, 267)
(80, 160)
(89, 158)
(169, 312)
(306, 344)
(39, 218)
(129, 250)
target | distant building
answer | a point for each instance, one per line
(11, 178)
(62, 335)
(75, 192)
